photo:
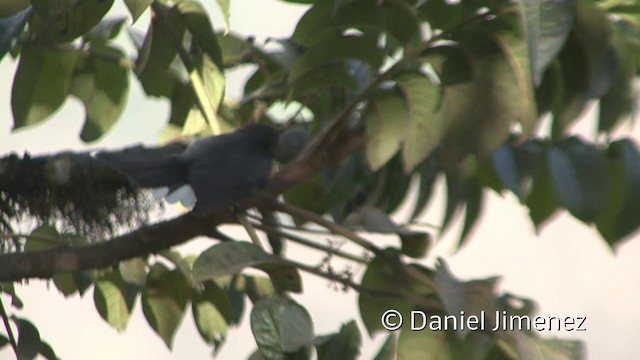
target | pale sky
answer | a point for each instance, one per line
(568, 269)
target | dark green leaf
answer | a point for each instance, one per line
(63, 20)
(47, 351)
(580, 178)
(280, 325)
(474, 202)
(425, 128)
(542, 201)
(617, 103)
(196, 19)
(428, 171)
(9, 289)
(41, 83)
(137, 7)
(28, 339)
(343, 345)
(620, 217)
(363, 48)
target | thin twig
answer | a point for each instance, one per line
(413, 273)
(431, 305)
(302, 241)
(7, 326)
(242, 219)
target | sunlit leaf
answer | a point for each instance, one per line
(102, 86)
(114, 299)
(386, 123)
(425, 128)
(164, 301)
(211, 312)
(137, 7)
(41, 83)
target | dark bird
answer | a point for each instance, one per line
(219, 170)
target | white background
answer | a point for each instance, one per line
(567, 268)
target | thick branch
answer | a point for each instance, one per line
(146, 240)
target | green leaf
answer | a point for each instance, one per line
(333, 75)
(480, 115)
(228, 258)
(106, 30)
(385, 121)
(386, 277)
(225, 7)
(425, 344)
(473, 209)
(504, 165)
(47, 351)
(546, 24)
(41, 83)
(234, 48)
(308, 194)
(28, 339)
(65, 283)
(43, 237)
(114, 300)
(428, 171)
(164, 301)
(618, 102)
(620, 218)
(137, 7)
(471, 297)
(258, 288)
(516, 52)
(63, 20)
(196, 19)
(102, 86)
(211, 312)
(134, 271)
(363, 48)
(343, 345)
(280, 325)
(425, 129)
(542, 201)
(579, 172)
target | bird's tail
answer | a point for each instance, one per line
(149, 171)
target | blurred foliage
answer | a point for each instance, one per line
(457, 90)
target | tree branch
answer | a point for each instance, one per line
(146, 240)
